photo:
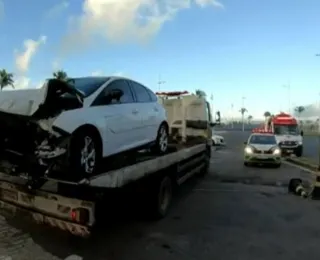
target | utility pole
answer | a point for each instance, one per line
(242, 113)
(232, 126)
(318, 55)
(160, 82)
(212, 107)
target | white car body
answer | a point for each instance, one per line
(128, 124)
(218, 140)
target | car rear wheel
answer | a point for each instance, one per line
(162, 142)
(85, 153)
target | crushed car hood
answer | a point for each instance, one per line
(49, 100)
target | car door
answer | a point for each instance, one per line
(119, 118)
(149, 111)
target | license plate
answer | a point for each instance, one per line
(262, 157)
(9, 195)
(289, 151)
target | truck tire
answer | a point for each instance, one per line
(161, 197)
(299, 151)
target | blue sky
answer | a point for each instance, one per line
(229, 48)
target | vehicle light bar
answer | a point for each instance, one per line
(172, 93)
(261, 131)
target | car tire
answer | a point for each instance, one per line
(245, 163)
(299, 151)
(162, 141)
(85, 153)
(277, 165)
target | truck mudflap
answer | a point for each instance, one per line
(68, 214)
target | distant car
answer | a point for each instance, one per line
(218, 140)
(78, 124)
(262, 148)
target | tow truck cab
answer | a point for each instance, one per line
(287, 133)
(189, 116)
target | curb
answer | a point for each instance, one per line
(308, 165)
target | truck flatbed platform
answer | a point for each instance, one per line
(77, 214)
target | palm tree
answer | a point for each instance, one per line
(250, 118)
(299, 110)
(63, 76)
(200, 93)
(6, 79)
(243, 110)
(267, 114)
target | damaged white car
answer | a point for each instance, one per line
(71, 127)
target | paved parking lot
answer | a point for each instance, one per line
(233, 213)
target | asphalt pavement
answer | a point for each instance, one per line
(235, 212)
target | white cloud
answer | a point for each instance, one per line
(23, 58)
(57, 9)
(97, 73)
(204, 3)
(21, 82)
(125, 20)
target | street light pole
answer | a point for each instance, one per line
(232, 126)
(160, 82)
(318, 55)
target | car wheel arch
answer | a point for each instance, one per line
(92, 129)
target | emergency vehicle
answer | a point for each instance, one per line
(288, 135)
(262, 148)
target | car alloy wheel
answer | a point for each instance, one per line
(88, 155)
(163, 139)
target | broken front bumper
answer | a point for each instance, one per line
(27, 148)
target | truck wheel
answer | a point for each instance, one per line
(161, 198)
(299, 151)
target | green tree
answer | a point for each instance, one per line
(267, 114)
(250, 118)
(243, 110)
(63, 76)
(299, 109)
(6, 79)
(201, 93)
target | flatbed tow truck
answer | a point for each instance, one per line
(75, 206)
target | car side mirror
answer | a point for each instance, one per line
(301, 133)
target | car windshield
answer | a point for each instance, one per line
(262, 139)
(88, 85)
(286, 129)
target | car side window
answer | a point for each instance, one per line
(117, 85)
(141, 92)
(153, 96)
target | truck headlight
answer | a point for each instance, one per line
(300, 142)
(248, 150)
(276, 151)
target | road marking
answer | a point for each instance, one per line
(73, 257)
(299, 167)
